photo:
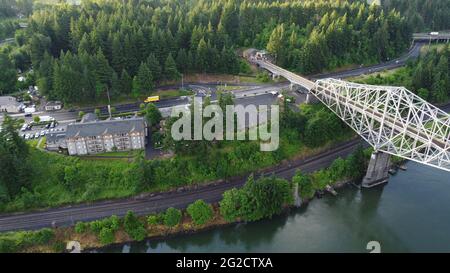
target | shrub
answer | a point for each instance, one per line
(7, 245)
(257, 199)
(134, 227)
(172, 217)
(42, 236)
(105, 229)
(263, 77)
(81, 227)
(200, 212)
(106, 236)
(153, 220)
(15, 241)
(59, 246)
(229, 205)
(111, 223)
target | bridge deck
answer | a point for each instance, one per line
(435, 147)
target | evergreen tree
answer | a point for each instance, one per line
(142, 82)
(125, 82)
(154, 66)
(170, 69)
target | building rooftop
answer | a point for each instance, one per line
(89, 117)
(105, 127)
(53, 103)
(55, 137)
(8, 100)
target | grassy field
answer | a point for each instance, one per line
(383, 74)
(228, 87)
(425, 49)
(124, 154)
(172, 93)
(37, 143)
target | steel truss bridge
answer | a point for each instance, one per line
(391, 119)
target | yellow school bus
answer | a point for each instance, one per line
(152, 99)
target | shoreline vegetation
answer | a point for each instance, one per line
(252, 202)
(53, 180)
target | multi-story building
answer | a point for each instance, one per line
(98, 136)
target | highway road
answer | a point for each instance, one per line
(247, 95)
(413, 53)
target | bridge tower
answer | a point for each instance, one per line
(378, 170)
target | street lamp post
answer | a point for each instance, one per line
(109, 102)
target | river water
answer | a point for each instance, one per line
(410, 214)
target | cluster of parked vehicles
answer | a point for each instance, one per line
(41, 133)
(47, 129)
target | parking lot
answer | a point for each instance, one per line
(38, 131)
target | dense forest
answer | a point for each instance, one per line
(429, 76)
(11, 8)
(422, 14)
(80, 52)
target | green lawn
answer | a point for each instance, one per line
(171, 93)
(116, 154)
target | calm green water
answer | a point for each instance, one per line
(410, 214)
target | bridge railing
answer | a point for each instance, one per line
(391, 119)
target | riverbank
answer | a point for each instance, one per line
(90, 242)
(90, 237)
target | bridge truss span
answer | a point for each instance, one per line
(391, 119)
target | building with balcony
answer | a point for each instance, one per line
(92, 136)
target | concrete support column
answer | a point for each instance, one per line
(297, 199)
(377, 171)
(292, 86)
(275, 76)
(310, 98)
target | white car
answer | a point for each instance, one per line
(27, 136)
(42, 133)
(36, 135)
(274, 93)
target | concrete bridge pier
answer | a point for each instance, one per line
(378, 170)
(310, 99)
(292, 86)
(297, 198)
(275, 76)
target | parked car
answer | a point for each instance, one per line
(36, 135)
(42, 133)
(27, 136)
